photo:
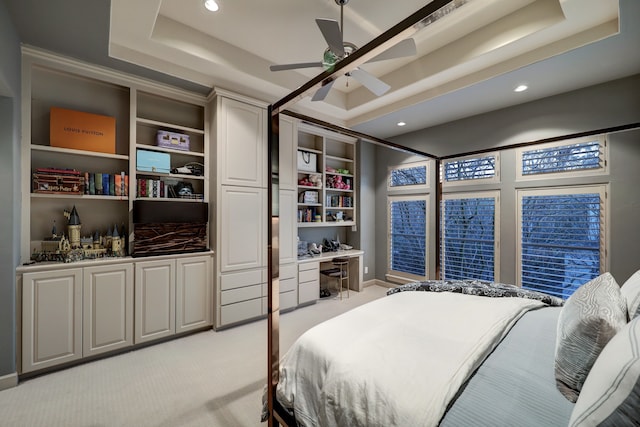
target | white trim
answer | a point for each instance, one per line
(495, 194)
(604, 170)
(490, 180)
(8, 381)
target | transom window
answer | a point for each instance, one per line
(485, 168)
(586, 156)
(412, 176)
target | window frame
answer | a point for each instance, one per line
(602, 189)
(484, 194)
(400, 276)
(410, 188)
(604, 170)
(490, 180)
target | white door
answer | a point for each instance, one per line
(51, 318)
(288, 227)
(193, 293)
(242, 144)
(108, 308)
(242, 213)
(155, 297)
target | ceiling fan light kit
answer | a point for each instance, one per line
(338, 49)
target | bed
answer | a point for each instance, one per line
(459, 354)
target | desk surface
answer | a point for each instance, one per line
(328, 256)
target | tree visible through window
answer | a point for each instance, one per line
(468, 237)
(561, 236)
(408, 235)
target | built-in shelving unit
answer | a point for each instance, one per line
(330, 159)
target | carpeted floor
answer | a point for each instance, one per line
(206, 379)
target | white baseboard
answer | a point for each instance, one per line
(8, 381)
(378, 283)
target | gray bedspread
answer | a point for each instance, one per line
(515, 386)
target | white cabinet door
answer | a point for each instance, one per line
(242, 230)
(155, 293)
(242, 143)
(193, 293)
(51, 318)
(108, 308)
(288, 137)
(288, 227)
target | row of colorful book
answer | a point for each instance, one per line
(155, 188)
(106, 184)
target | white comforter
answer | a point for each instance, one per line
(397, 361)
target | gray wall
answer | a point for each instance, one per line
(607, 105)
(9, 172)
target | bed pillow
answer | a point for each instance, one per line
(611, 394)
(589, 319)
(631, 292)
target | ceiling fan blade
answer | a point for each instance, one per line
(372, 83)
(322, 93)
(332, 34)
(406, 47)
(294, 66)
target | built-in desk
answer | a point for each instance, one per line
(355, 265)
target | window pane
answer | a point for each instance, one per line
(460, 170)
(587, 155)
(468, 238)
(408, 176)
(560, 242)
(408, 236)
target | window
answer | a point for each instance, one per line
(579, 157)
(408, 236)
(412, 176)
(469, 236)
(484, 168)
(561, 238)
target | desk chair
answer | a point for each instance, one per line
(340, 272)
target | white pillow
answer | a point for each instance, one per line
(610, 395)
(631, 292)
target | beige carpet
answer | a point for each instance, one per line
(206, 379)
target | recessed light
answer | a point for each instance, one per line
(211, 5)
(521, 88)
(401, 123)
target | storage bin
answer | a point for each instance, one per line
(307, 161)
(177, 141)
(152, 161)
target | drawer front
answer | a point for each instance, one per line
(308, 276)
(288, 271)
(308, 266)
(308, 291)
(238, 280)
(240, 311)
(240, 294)
(287, 285)
(288, 300)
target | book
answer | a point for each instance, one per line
(92, 183)
(99, 182)
(105, 184)
(112, 185)
(117, 185)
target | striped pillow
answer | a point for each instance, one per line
(589, 319)
(631, 292)
(611, 394)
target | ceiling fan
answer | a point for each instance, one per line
(339, 49)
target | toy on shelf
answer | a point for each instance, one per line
(335, 181)
(75, 247)
(311, 180)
